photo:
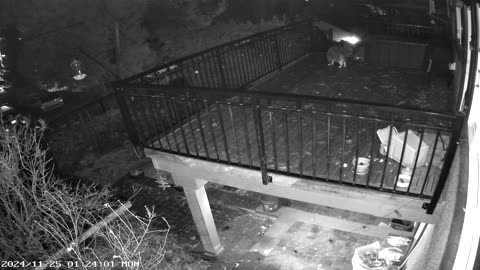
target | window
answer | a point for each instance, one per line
(459, 22)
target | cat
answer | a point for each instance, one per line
(339, 54)
(343, 52)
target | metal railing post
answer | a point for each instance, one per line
(220, 67)
(277, 50)
(261, 142)
(310, 35)
(449, 156)
(127, 117)
(102, 105)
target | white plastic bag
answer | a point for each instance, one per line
(366, 258)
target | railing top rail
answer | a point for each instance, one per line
(83, 107)
(230, 43)
(399, 24)
(291, 97)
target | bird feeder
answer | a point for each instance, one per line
(76, 67)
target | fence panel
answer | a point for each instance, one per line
(96, 127)
(403, 32)
(234, 64)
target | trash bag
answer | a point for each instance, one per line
(366, 257)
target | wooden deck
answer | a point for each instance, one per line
(363, 82)
(307, 134)
(317, 146)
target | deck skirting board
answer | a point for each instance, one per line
(189, 172)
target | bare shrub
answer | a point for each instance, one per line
(32, 197)
(131, 239)
(72, 140)
(41, 214)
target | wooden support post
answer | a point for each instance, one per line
(202, 215)
(194, 189)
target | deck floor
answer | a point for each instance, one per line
(362, 81)
(240, 145)
(309, 143)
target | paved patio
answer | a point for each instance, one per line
(298, 236)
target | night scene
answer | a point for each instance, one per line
(240, 134)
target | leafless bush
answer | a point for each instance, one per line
(133, 240)
(73, 140)
(32, 197)
(41, 214)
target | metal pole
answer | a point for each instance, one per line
(117, 47)
(221, 67)
(261, 142)
(126, 115)
(310, 34)
(277, 49)
(450, 155)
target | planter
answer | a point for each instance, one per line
(270, 203)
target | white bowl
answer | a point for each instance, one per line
(404, 180)
(362, 166)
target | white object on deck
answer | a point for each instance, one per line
(411, 147)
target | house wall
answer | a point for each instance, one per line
(457, 81)
(434, 244)
(460, 43)
(438, 249)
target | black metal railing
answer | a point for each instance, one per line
(98, 126)
(234, 64)
(321, 39)
(311, 137)
(94, 127)
(403, 32)
(196, 107)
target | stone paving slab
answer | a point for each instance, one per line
(340, 223)
(303, 240)
(306, 246)
(295, 240)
